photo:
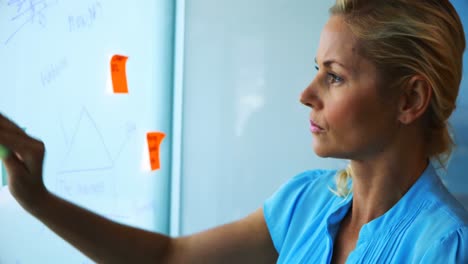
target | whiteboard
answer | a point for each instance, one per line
(57, 85)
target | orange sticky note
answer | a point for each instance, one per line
(154, 140)
(118, 72)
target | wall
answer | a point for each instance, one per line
(244, 132)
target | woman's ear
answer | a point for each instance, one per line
(414, 99)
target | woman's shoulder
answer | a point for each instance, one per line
(430, 217)
(445, 207)
(443, 231)
(300, 204)
(309, 189)
(443, 218)
(316, 182)
(313, 177)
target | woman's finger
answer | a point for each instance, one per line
(14, 166)
(14, 142)
(7, 124)
(28, 150)
(24, 185)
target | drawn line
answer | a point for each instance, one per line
(86, 170)
(122, 145)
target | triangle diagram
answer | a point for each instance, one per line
(87, 150)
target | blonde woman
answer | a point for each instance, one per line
(388, 74)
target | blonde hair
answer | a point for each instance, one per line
(408, 37)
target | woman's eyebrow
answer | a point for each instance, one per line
(327, 63)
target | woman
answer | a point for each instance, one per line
(387, 81)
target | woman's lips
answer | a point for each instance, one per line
(314, 128)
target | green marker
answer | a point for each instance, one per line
(3, 152)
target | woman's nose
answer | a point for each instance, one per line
(310, 96)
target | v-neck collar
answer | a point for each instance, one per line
(399, 214)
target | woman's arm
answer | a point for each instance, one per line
(98, 238)
(104, 241)
(244, 241)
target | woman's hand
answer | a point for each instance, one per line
(23, 163)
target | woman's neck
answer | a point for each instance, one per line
(379, 185)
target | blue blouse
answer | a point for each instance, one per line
(427, 225)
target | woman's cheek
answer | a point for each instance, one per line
(341, 114)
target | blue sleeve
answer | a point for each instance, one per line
(451, 249)
(279, 209)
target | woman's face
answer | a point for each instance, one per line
(350, 119)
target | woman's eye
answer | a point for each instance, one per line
(333, 78)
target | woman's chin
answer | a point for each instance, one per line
(326, 152)
(321, 152)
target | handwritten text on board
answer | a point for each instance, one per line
(119, 75)
(154, 140)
